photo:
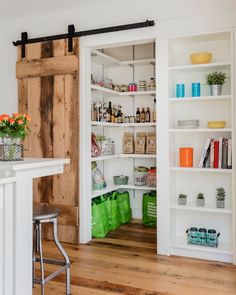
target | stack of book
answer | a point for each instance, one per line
(217, 153)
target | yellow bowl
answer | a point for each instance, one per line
(201, 57)
(216, 124)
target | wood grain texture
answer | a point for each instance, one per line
(47, 67)
(126, 263)
(51, 98)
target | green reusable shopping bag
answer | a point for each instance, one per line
(100, 221)
(124, 207)
(113, 211)
(150, 209)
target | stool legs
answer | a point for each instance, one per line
(64, 254)
(41, 257)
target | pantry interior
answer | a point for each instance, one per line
(138, 61)
(112, 68)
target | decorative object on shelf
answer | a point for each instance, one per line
(215, 80)
(196, 89)
(182, 199)
(120, 179)
(216, 124)
(98, 180)
(180, 90)
(202, 237)
(188, 124)
(220, 197)
(201, 57)
(132, 87)
(186, 157)
(200, 199)
(13, 130)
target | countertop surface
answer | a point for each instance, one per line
(29, 163)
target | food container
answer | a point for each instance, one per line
(120, 179)
(186, 157)
(132, 87)
(151, 177)
(216, 124)
(201, 57)
(142, 85)
(140, 178)
(152, 84)
(123, 88)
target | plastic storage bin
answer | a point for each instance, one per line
(151, 178)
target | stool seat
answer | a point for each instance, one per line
(42, 212)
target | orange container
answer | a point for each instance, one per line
(186, 157)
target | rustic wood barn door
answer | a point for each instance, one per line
(48, 90)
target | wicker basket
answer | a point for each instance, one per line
(11, 152)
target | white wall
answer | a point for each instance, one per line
(103, 14)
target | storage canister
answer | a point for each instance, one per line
(186, 157)
(196, 89)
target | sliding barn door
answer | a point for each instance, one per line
(48, 90)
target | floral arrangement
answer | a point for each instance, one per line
(14, 126)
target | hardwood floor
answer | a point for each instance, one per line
(126, 263)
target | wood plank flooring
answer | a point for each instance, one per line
(126, 263)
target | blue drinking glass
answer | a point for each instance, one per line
(196, 89)
(180, 90)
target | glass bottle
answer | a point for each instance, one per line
(148, 116)
(138, 115)
(109, 111)
(154, 111)
(142, 116)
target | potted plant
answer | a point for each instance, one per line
(220, 197)
(200, 199)
(182, 200)
(215, 80)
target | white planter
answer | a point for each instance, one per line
(200, 202)
(220, 203)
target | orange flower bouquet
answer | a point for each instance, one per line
(14, 126)
(13, 129)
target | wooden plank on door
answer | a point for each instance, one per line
(47, 67)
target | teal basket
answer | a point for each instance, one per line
(202, 237)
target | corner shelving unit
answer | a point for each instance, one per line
(123, 65)
(192, 181)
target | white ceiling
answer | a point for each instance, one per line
(11, 9)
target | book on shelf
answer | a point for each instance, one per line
(217, 153)
(204, 153)
(229, 158)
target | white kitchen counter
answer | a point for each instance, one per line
(16, 198)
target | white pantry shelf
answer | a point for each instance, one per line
(107, 91)
(107, 124)
(200, 66)
(134, 93)
(223, 247)
(200, 98)
(208, 208)
(116, 156)
(195, 130)
(202, 170)
(103, 158)
(141, 156)
(110, 61)
(112, 187)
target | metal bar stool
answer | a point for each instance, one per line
(44, 214)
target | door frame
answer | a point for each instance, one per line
(86, 45)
